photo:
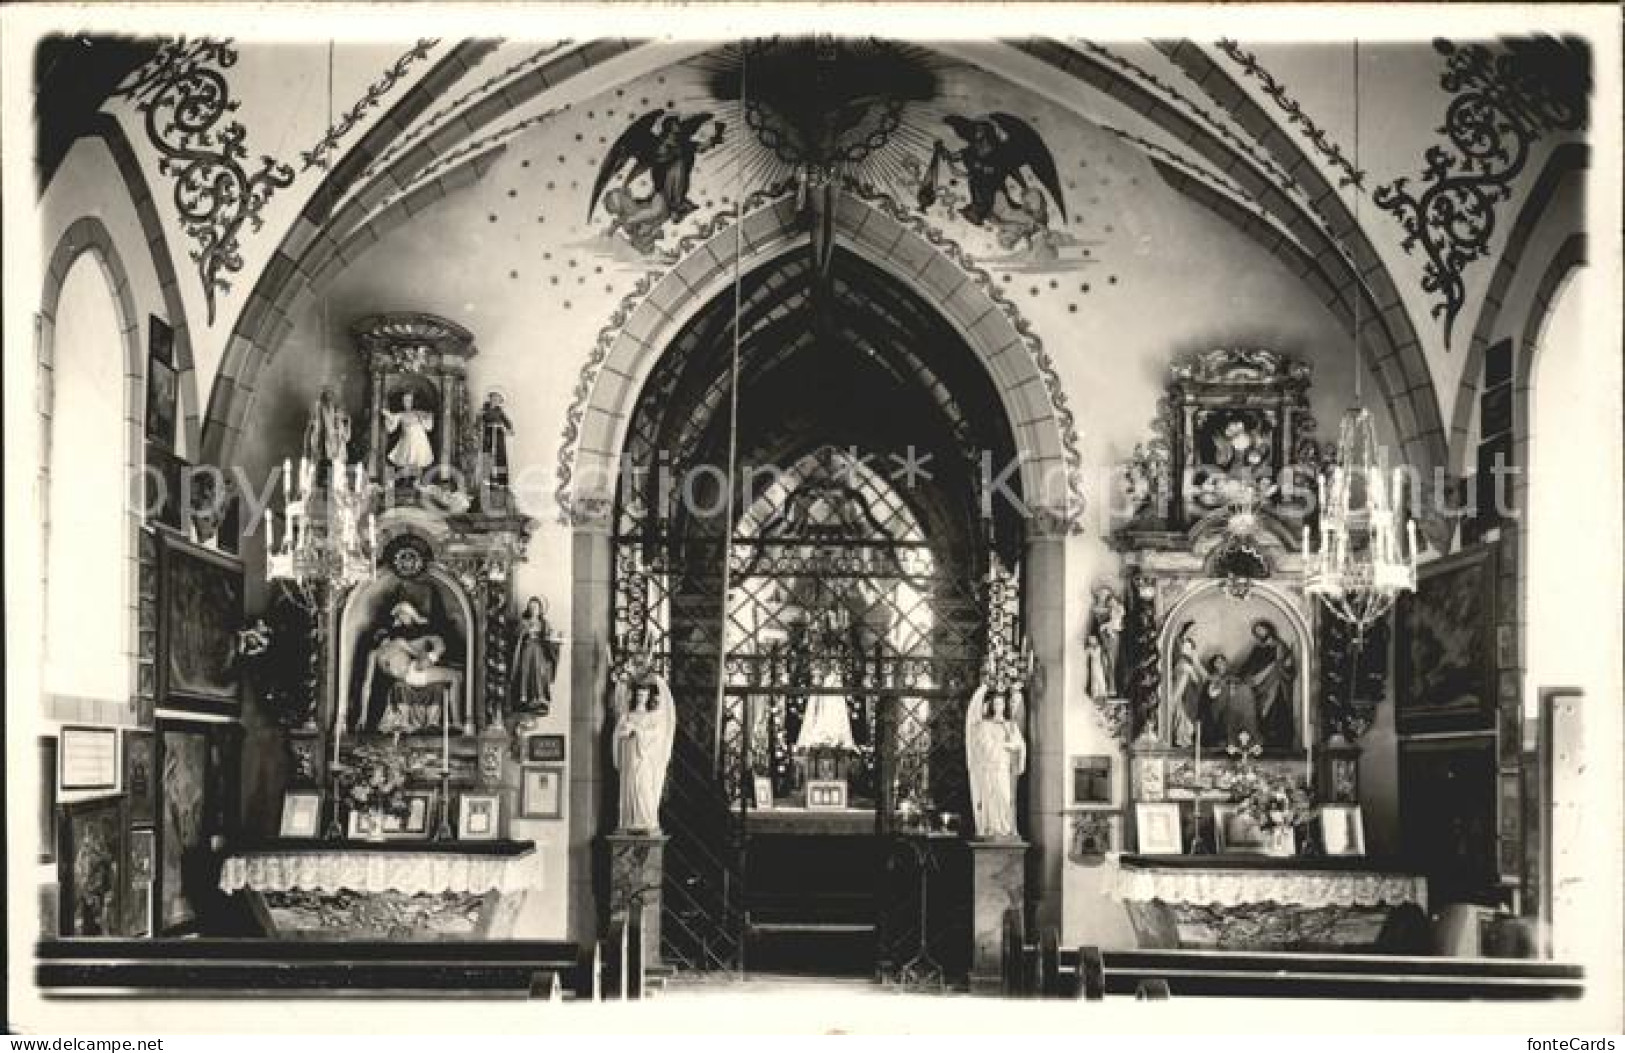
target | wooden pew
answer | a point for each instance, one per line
(213, 967)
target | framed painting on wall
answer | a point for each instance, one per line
(541, 793)
(478, 816)
(138, 776)
(47, 799)
(87, 759)
(163, 383)
(202, 606)
(1157, 829)
(1092, 782)
(196, 768)
(1445, 646)
(90, 868)
(138, 888)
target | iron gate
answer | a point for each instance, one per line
(834, 592)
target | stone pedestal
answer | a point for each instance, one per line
(998, 885)
(636, 873)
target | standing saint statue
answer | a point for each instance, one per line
(495, 427)
(645, 726)
(327, 433)
(412, 452)
(995, 757)
(1270, 670)
(1185, 689)
(827, 721)
(1103, 645)
(535, 659)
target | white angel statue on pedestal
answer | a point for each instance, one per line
(995, 756)
(645, 725)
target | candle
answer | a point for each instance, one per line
(287, 485)
(1198, 758)
(338, 734)
(1306, 545)
(445, 732)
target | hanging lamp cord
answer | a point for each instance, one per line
(733, 447)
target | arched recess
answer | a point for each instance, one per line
(1021, 387)
(1045, 434)
(89, 236)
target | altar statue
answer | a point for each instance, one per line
(327, 432)
(412, 452)
(535, 659)
(1232, 709)
(995, 757)
(495, 427)
(1270, 670)
(826, 722)
(1102, 646)
(645, 727)
(1185, 689)
(408, 653)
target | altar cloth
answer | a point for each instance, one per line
(404, 869)
(1344, 882)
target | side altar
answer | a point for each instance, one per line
(419, 673)
(1238, 699)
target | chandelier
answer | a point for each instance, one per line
(1362, 566)
(329, 535)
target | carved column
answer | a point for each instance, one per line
(636, 874)
(998, 878)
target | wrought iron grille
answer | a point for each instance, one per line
(835, 592)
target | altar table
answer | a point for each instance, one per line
(1260, 903)
(314, 890)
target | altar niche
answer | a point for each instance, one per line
(821, 645)
(383, 628)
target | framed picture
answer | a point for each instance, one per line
(1092, 782)
(47, 799)
(1233, 832)
(1342, 829)
(762, 791)
(201, 608)
(544, 749)
(301, 813)
(479, 816)
(362, 825)
(1445, 646)
(163, 385)
(88, 759)
(90, 868)
(541, 792)
(197, 772)
(826, 794)
(1157, 829)
(138, 886)
(138, 777)
(162, 479)
(413, 825)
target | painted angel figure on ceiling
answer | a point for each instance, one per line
(654, 161)
(1000, 149)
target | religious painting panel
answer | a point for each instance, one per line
(139, 778)
(91, 868)
(196, 771)
(201, 604)
(163, 385)
(1444, 646)
(1448, 825)
(1235, 666)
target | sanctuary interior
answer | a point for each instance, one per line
(956, 514)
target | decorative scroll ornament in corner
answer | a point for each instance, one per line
(1501, 103)
(185, 100)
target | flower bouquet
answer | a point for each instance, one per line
(1270, 804)
(374, 782)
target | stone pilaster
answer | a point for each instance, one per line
(636, 874)
(998, 881)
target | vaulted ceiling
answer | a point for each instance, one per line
(1389, 176)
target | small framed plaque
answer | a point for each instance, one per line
(89, 759)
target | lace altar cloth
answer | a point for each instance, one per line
(405, 871)
(1305, 887)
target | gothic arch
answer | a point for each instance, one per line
(931, 265)
(88, 235)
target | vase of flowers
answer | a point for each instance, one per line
(374, 783)
(1269, 807)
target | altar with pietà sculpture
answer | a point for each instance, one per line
(393, 556)
(1239, 699)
